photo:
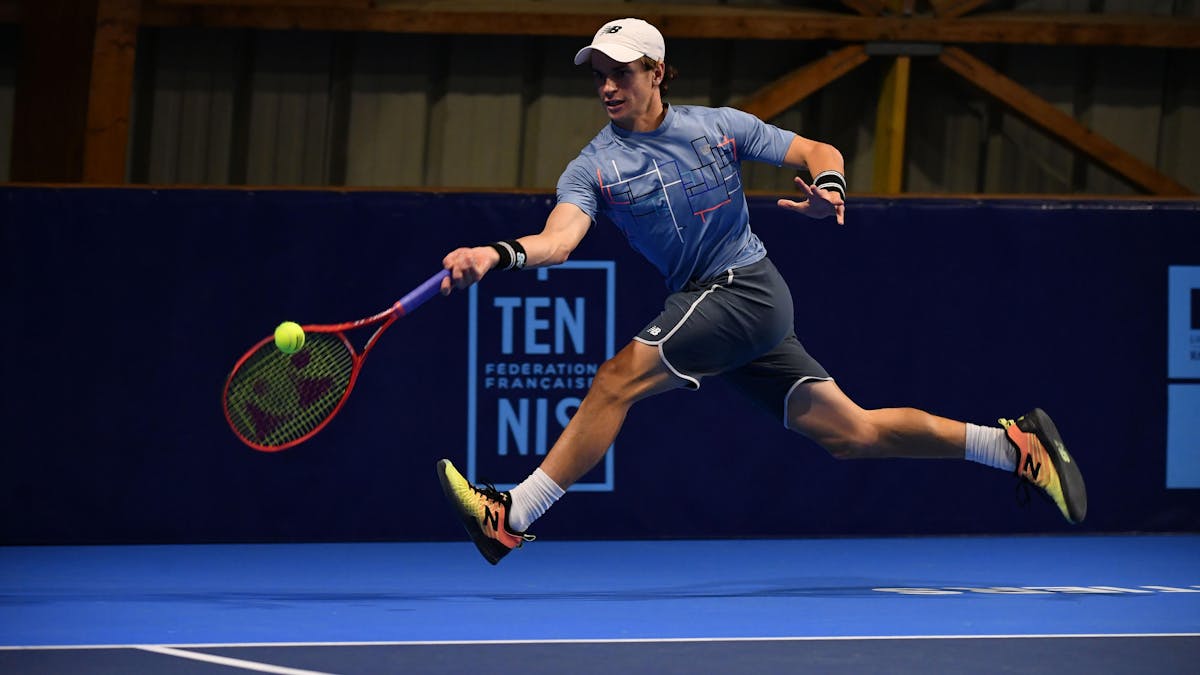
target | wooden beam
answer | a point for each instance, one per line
(357, 4)
(865, 7)
(531, 17)
(891, 118)
(787, 91)
(1059, 124)
(901, 7)
(110, 91)
(948, 9)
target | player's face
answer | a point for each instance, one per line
(628, 92)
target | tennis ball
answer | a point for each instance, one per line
(289, 337)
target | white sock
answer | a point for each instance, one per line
(990, 446)
(531, 498)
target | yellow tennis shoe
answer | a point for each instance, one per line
(483, 512)
(1043, 460)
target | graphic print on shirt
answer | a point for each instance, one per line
(665, 191)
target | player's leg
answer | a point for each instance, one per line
(635, 373)
(1030, 446)
(496, 521)
(787, 381)
(822, 412)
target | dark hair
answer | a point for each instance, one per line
(669, 73)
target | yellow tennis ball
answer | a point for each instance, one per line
(289, 337)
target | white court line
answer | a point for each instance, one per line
(226, 661)
(568, 641)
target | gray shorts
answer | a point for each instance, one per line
(738, 325)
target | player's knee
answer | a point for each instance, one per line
(612, 380)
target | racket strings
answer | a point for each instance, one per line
(274, 399)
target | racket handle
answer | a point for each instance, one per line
(417, 296)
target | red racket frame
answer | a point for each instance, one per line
(402, 307)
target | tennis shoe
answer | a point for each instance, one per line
(483, 512)
(1043, 461)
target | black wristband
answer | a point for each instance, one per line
(831, 180)
(512, 254)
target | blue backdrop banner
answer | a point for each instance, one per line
(124, 310)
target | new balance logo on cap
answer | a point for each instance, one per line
(625, 41)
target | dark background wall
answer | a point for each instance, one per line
(125, 309)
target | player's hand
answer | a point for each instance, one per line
(819, 203)
(467, 266)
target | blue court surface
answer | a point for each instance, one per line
(1053, 604)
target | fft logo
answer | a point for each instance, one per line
(536, 340)
(1183, 319)
(1183, 377)
(1195, 312)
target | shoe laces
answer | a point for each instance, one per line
(489, 491)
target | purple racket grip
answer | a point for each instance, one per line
(417, 296)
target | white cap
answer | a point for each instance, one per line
(625, 40)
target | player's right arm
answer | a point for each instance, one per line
(565, 228)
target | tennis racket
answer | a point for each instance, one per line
(274, 400)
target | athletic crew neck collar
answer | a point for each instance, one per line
(662, 128)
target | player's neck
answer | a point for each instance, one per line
(652, 119)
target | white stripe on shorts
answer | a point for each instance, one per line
(660, 342)
(787, 397)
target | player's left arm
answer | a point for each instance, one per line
(821, 198)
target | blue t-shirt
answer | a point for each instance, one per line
(676, 192)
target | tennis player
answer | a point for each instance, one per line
(668, 177)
